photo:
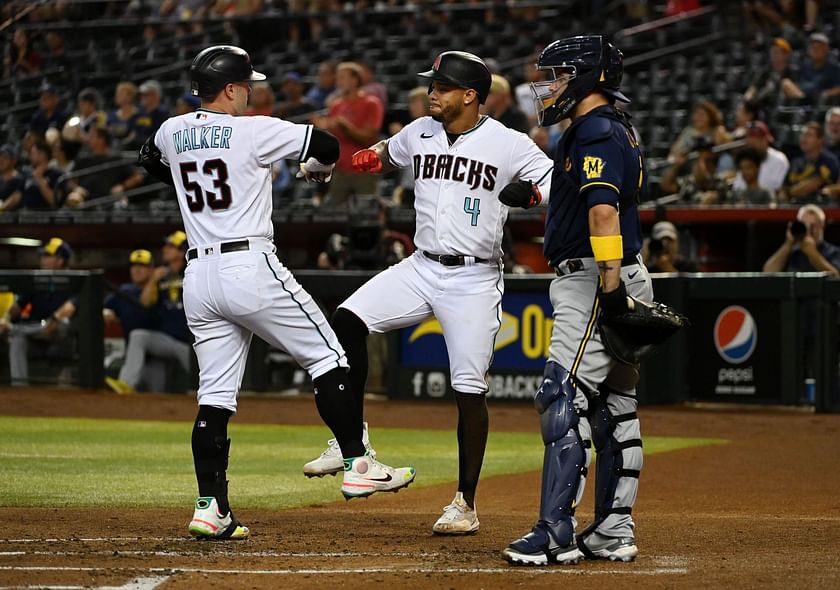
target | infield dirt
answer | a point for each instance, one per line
(762, 511)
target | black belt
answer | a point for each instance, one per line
(576, 264)
(239, 246)
(450, 259)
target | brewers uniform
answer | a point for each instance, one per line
(234, 284)
(592, 240)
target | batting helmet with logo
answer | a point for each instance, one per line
(585, 63)
(219, 65)
(461, 69)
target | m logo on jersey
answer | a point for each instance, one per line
(593, 166)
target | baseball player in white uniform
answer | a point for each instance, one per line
(234, 285)
(461, 162)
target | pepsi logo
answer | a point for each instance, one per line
(735, 334)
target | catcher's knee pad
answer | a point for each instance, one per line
(617, 438)
(564, 460)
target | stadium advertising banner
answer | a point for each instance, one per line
(735, 352)
(520, 352)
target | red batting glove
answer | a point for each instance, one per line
(366, 161)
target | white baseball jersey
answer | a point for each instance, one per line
(234, 285)
(221, 165)
(458, 212)
(456, 187)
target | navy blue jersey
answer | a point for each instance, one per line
(126, 305)
(35, 307)
(170, 308)
(598, 161)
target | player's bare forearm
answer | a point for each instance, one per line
(381, 149)
(603, 222)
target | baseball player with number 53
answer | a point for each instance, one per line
(234, 285)
(462, 161)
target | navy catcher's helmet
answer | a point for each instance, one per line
(579, 66)
(217, 66)
(461, 69)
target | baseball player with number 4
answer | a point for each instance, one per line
(234, 286)
(462, 161)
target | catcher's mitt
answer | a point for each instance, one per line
(630, 335)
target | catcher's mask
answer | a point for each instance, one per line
(577, 66)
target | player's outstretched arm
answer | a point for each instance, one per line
(320, 157)
(521, 193)
(374, 159)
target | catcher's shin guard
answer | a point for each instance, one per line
(564, 461)
(617, 438)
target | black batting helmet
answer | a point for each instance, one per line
(217, 66)
(461, 69)
(589, 62)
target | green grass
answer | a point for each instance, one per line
(83, 462)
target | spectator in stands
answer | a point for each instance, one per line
(90, 115)
(324, 87)
(261, 101)
(698, 183)
(751, 192)
(774, 164)
(49, 114)
(154, 113)
(64, 154)
(372, 86)
(663, 250)
(56, 56)
(804, 249)
(187, 103)
(499, 105)
(355, 118)
(814, 169)
(122, 121)
(832, 130)
(522, 92)
(295, 104)
(121, 176)
(40, 188)
(775, 79)
(21, 59)
(706, 121)
(418, 106)
(746, 112)
(171, 339)
(11, 181)
(819, 74)
(40, 319)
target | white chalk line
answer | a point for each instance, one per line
(213, 551)
(577, 571)
(144, 583)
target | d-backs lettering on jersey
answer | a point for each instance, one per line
(598, 162)
(449, 167)
(456, 186)
(221, 166)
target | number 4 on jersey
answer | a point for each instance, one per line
(471, 207)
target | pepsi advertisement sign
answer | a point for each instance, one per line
(732, 341)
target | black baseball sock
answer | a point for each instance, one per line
(339, 411)
(352, 333)
(210, 447)
(473, 425)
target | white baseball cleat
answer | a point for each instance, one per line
(207, 523)
(331, 462)
(458, 518)
(365, 475)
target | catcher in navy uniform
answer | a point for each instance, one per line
(602, 324)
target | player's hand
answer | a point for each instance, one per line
(314, 171)
(522, 193)
(160, 273)
(367, 160)
(616, 301)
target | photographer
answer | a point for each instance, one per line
(663, 250)
(804, 249)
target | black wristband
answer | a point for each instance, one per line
(517, 194)
(614, 302)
